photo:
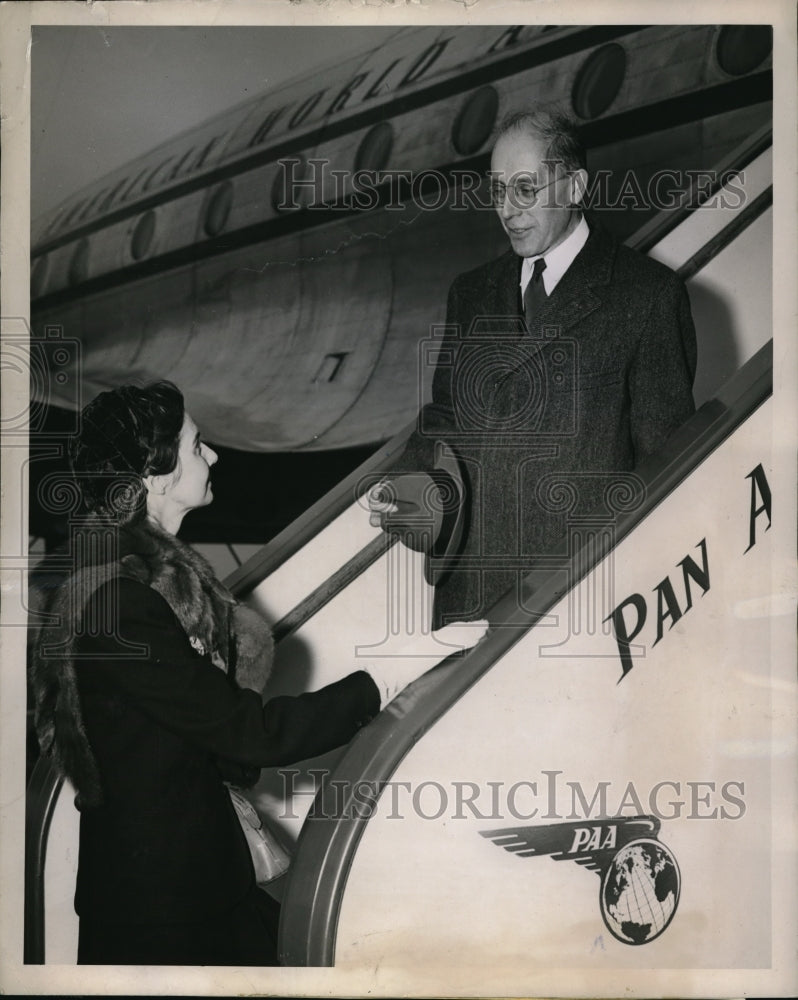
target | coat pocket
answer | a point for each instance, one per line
(598, 378)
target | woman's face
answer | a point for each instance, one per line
(175, 493)
(190, 482)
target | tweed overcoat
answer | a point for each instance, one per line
(545, 420)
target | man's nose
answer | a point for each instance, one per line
(508, 208)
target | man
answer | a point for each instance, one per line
(566, 362)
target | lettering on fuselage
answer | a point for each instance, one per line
(382, 80)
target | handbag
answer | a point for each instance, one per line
(269, 858)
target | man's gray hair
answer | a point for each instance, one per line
(559, 132)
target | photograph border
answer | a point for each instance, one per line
(16, 20)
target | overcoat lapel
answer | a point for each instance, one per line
(501, 294)
(508, 286)
(577, 294)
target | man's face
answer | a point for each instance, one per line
(518, 166)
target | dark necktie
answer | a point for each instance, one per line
(535, 296)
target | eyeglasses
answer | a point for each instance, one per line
(523, 194)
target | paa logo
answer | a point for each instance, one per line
(640, 880)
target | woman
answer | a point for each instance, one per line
(147, 697)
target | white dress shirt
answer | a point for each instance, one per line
(558, 259)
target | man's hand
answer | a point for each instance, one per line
(381, 502)
(409, 506)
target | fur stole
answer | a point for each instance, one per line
(235, 638)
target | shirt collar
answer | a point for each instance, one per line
(558, 260)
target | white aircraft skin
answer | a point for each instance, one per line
(294, 323)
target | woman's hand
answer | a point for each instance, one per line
(419, 654)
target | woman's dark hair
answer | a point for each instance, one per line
(125, 434)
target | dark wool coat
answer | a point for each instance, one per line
(544, 422)
(131, 703)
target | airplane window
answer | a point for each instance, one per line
(599, 80)
(38, 278)
(374, 150)
(742, 47)
(142, 235)
(475, 120)
(79, 265)
(218, 209)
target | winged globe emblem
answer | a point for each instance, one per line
(640, 878)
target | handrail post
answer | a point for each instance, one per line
(42, 794)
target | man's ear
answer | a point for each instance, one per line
(578, 186)
(156, 485)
